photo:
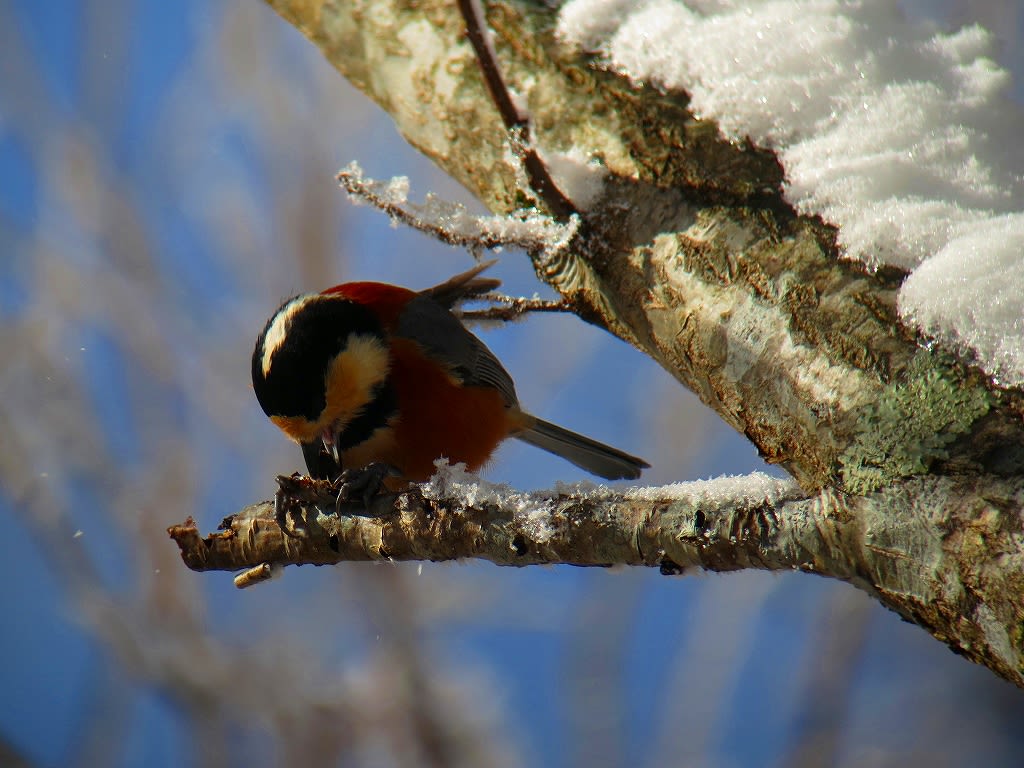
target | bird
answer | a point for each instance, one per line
(376, 378)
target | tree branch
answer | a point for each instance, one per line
(722, 524)
(691, 254)
(914, 461)
(508, 308)
(516, 121)
(943, 554)
(452, 224)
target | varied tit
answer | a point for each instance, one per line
(371, 374)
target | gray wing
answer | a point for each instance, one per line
(446, 339)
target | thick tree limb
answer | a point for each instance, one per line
(914, 460)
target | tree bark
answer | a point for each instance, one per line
(912, 462)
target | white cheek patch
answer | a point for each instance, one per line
(278, 329)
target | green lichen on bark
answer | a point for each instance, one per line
(910, 425)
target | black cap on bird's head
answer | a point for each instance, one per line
(317, 364)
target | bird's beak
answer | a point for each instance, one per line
(320, 462)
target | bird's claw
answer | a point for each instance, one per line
(362, 484)
(284, 511)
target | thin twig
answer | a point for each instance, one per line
(352, 182)
(512, 308)
(516, 122)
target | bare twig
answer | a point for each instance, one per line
(513, 308)
(516, 122)
(256, 575)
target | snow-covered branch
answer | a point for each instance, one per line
(945, 554)
(728, 523)
(451, 223)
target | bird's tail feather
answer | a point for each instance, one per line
(597, 458)
(464, 286)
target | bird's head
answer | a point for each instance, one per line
(316, 366)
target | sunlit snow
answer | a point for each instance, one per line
(898, 132)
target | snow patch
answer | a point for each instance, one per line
(531, 512)
(895, 131)
(977, 275)
(755, 488)
(579, 177)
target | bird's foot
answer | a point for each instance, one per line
(363, 484)
(286, 510)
